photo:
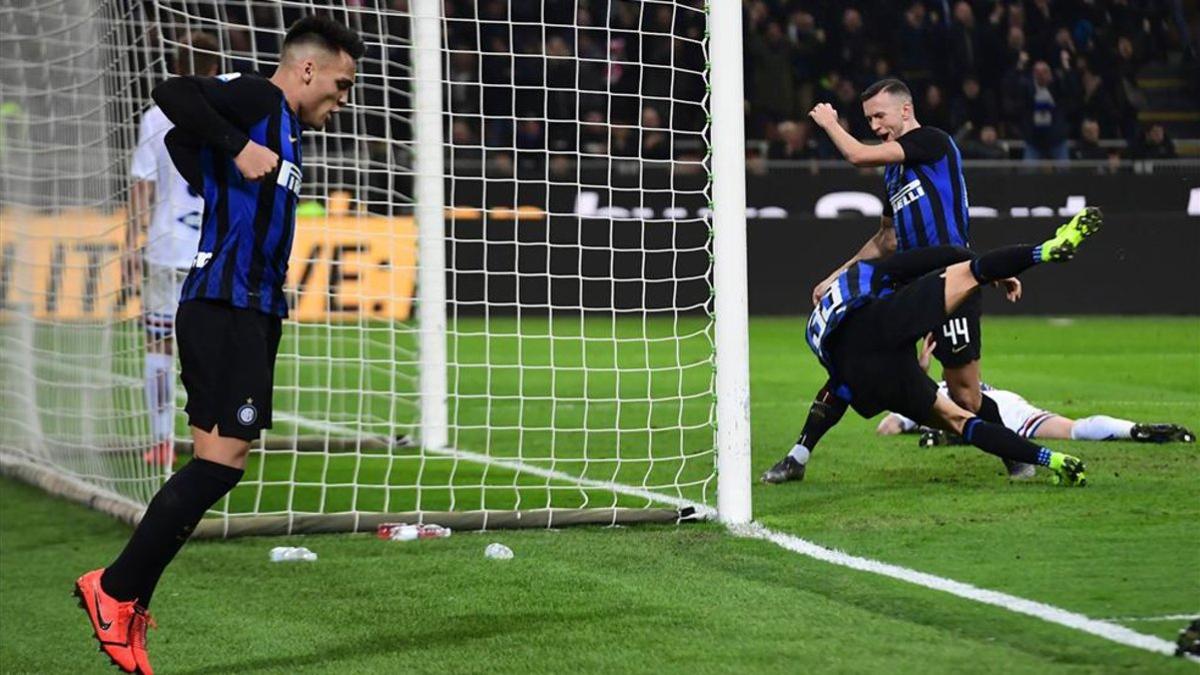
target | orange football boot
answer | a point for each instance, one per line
(112, 620)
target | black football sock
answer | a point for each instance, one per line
(824, 414)
(1004, 443)
(989, 411)
(1003, 263)
(166, 526)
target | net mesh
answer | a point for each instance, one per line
(578, 246)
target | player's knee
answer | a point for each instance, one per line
(888, 426)
(968, 397)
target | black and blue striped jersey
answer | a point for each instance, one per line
(860, 283)
(926, 194)
(247, 228)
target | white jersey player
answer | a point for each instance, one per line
(168, 213)
(1029, 421)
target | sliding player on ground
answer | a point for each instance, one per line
(167, 211)
(236, 141)
(926, 206)
(865, 325)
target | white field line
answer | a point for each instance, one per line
(702, 510)
(1100, 628)
(1165, 617)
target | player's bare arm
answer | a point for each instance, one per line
(855, 151)
(881, 245)
(256, 161)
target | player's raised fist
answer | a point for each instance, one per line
(824, 115)
(256, 161)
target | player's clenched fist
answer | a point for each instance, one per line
(824, 115)
(256, 161)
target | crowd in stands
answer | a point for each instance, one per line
(544, 81)
(1042, 71)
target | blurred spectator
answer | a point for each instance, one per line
(915, 47)
(964, 46)
(1154, 144)
(985, 146)
(825, 147)
(808, 56)
(1097, 102)
(972, 108)
(1088, 145)
(774, 88)
(934, 111)
(1044, 113)
(794, 141)
(655, 143)
(850, 46)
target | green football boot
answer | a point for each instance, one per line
(1068, 470)
(1070, 235)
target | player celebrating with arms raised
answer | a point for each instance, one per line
(237, 142)
(926, 206)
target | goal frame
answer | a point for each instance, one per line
(730, 316)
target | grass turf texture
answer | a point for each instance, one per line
(692, 598)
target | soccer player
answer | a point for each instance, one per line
(865, 325)
(172, 226)
(1029, 421)
(926, 206)
(237, 142)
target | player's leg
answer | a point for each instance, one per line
(1105, 428)
(123, 590)
(824, 413)
(160, 304)
(962, 279)
(1003, 442)
(1056, 427)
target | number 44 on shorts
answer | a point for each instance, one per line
(957, 331)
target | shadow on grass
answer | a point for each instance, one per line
(452, 632)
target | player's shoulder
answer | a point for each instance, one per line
(928, 135)
(925, 145)
(252, 83)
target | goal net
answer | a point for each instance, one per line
(508, 305)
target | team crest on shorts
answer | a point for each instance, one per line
(247, 413)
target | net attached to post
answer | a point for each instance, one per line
(577, 349)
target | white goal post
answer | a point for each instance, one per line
(518, 280)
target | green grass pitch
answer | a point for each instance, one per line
(690, 597)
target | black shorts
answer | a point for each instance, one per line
(959, 341)
(227, 356)
(874, 350)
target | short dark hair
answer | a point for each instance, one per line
(890, 85)
(324, 32)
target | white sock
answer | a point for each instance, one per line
(160, 395)
(799, 453)
(1101, 428)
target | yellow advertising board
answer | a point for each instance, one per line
(68, 267)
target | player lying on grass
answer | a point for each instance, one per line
(236, 140)
(1029, 421)
(864, 328)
